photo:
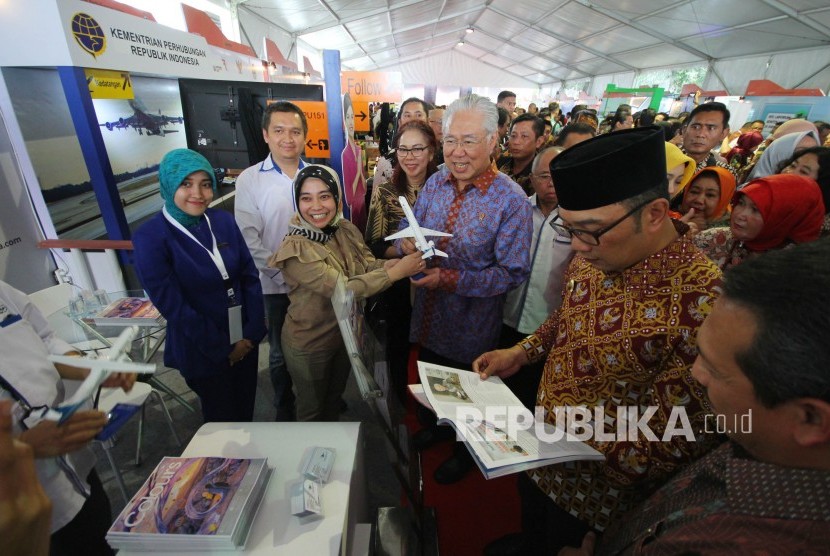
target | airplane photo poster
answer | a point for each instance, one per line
(134, 150)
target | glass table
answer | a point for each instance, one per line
(80, 330)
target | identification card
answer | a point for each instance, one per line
(235, 323)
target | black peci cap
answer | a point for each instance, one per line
(609, 168)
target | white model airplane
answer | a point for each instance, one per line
(116, 361)
(415, 231)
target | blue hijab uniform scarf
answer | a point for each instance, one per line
(174, 168)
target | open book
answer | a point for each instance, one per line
(494, 424)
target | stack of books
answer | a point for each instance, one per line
(193, 504)
(128, 311)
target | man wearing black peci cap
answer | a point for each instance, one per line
(635, 294)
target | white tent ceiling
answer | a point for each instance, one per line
(544, 42)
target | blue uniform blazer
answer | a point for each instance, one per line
(185, 285)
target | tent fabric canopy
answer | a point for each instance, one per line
(544, 43)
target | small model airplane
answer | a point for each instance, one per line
(415, 231)
(116, 361)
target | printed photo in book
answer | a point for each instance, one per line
(499, 432)
(187, 496)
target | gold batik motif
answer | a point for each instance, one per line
(627, 339)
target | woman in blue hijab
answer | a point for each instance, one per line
(197, 270)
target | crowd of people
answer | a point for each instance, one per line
(585, 266)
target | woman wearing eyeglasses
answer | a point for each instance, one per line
(415, 145)
(320, 247)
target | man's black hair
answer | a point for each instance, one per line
(710, 107)
(578, 128)
(283, 106)
(538, 123)
(788, 293)
(503, 95)
(504, 115)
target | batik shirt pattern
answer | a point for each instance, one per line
(729, 503)
(489, 254)
(627, 339)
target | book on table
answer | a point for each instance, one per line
(205, 503)
(128, 311)
(501, 439)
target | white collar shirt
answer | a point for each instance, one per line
(528, 305)
(25, 343)
(263, 207)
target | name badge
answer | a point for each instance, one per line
(235, 323)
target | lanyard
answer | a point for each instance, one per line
(79, 485)
(212, 253)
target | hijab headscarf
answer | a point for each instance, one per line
(796, 125)
(792, 209)
(675, 157)
(779, 150)
(299, 225)
(727, 184)
(174, 168)
(743, 148)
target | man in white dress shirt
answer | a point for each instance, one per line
(264, 205)
(528, 305)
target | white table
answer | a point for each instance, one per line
(275, 530)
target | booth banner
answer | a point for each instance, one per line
(372, 86)
(317, 138)
(775, 110)
(109, 84)
(101, 38)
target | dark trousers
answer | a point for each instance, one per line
(397, 312)
(548, 527)
(276, 307)
(230, 394)
(84, 535)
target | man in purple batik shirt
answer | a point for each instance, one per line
(458, 303)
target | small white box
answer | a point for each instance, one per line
(318, 464)
(305, 499)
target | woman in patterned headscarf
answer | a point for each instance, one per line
(321, 248)
(197, 270)
(768, 213)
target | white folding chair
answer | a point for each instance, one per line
(139, 394)
(51, 299)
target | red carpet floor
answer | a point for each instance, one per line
(471, 512)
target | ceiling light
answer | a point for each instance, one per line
(461, 42)
(470, 29)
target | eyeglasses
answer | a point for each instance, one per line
(592, 238)
(544, 178)
(417, 152)
(451, 143)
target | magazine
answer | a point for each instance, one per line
(128, 311)
(460, 399)
(205, 503)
